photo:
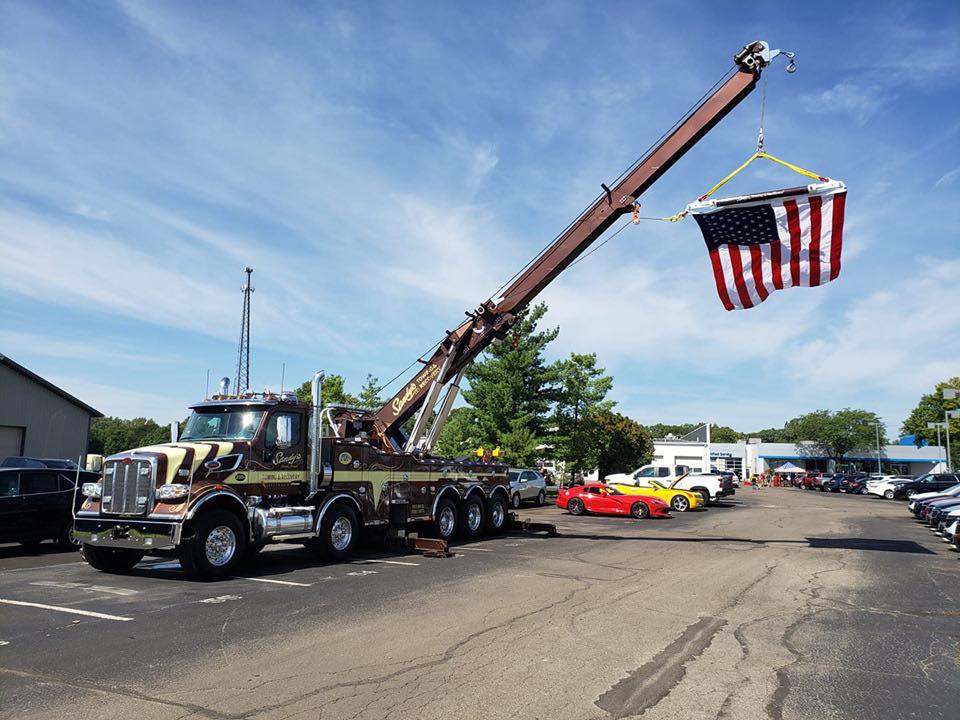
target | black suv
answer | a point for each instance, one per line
(931, 482)
(36, 504)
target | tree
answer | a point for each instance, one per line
(724, 434)
(369, 396)
(510, 392)
(931, 409)
(772, 435)
(834, 434)
(332, 392)
(620, 444)
(109, 435)
(583, 387)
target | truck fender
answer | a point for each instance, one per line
(503, 491)
(226, 494)
(353, 502)
(474, 490)
(228, 501)
(444, 491)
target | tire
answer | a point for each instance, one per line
(216, 547)
(515, 501)
(541, 498)
(471, 518)
(575, 507)
(680, 503)
(640, 511)
(704, 495)
(66, 540)
(338, 533)
(445, 520)
(888, 494)
(496, 514)
(110, 560)
(911, 493)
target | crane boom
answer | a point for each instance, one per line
(494, 317)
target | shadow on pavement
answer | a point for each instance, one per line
(34, 550)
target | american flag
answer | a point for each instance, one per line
(772, 241)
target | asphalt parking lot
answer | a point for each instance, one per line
(778, 604)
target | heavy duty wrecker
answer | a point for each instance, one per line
(255, 468)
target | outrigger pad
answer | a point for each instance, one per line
(770, 241)
(430, 547)
(528, 525)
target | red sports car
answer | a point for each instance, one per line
(603, 500)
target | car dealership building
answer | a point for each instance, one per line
(753, 456)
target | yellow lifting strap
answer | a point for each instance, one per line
(759, 154)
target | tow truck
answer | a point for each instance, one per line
(258, 468)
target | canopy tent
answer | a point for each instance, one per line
(789, 467)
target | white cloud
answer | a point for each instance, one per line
(18, 344)
(122, 401)
(860, 101)
(948, 178)
(900, 342)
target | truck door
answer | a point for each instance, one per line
(10, 509)
(283, 454)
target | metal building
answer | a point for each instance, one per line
(37, 418)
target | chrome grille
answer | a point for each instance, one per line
(127, 486)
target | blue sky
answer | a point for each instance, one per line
(385, 166)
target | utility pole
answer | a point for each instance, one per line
(879, 471)
(937, 425)
(949, 394)
(243, 355)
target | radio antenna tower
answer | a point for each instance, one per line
(243, 356)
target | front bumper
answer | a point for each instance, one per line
(128, 534)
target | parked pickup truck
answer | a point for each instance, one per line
(710, 487)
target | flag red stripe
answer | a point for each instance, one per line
(718, 277)
(815, 220)
(793, 223)
(736, 266)
(775, 248)
(756, 265)
(837, 237)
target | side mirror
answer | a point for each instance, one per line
(284, 431)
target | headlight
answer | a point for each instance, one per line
(91, 490)
(172, 491)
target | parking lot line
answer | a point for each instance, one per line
(275, 582)
(384, 562)
(71, 611)
(474, 549)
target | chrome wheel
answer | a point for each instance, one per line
(341, 533)
(447, 521)
(497, 515)
(474, 517)
(221, 546)
(680, 503)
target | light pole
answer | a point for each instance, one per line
(879, 470)
(937, 425)
(949, 394)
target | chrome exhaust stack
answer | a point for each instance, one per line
(316, 431)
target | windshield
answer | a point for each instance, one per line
(222, 424)
(658, 484)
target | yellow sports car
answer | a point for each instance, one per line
(679, 500)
